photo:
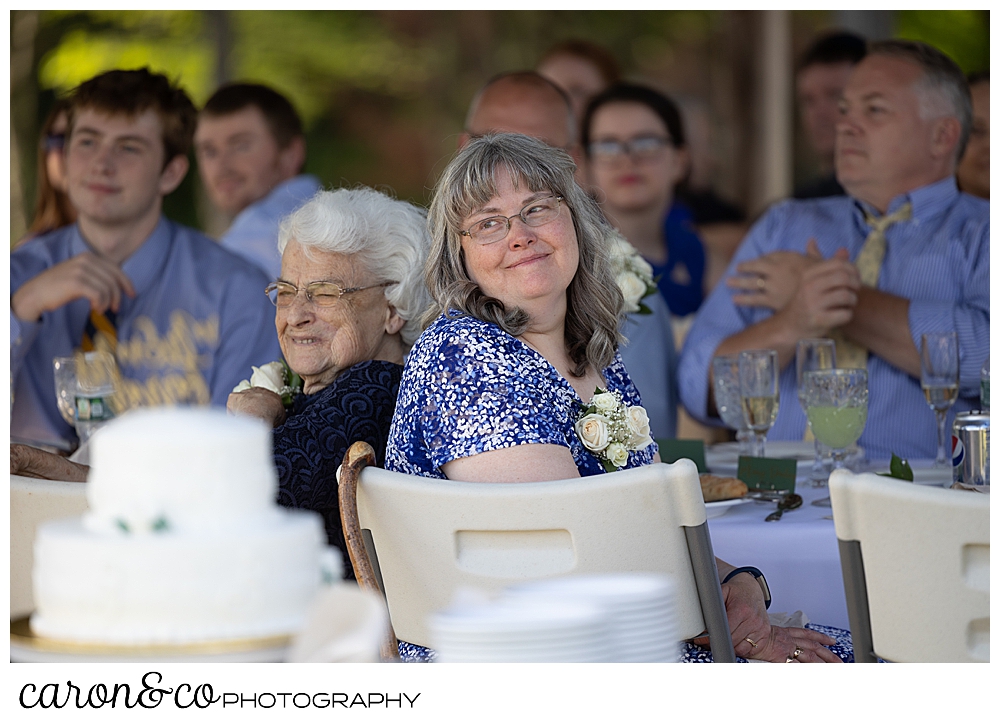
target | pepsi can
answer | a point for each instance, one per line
(970, 448)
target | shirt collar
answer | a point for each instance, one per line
(926, 202)
(145, 265)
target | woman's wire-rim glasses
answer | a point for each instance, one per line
(495, 228)
(321, 293)
(640, 147)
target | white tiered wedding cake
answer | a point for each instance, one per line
(183, 541)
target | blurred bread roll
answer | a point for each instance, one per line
(714, 488)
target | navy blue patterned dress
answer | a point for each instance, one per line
(310, 445)
(470, 387)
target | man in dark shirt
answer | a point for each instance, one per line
(819, 82)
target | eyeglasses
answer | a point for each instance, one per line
(495, 228)
(642, 148)
(321, 293)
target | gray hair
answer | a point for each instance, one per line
(595, 307)
(943, 90)
(386, 235)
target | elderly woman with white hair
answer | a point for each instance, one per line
(349, 301)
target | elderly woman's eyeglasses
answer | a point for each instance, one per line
(495, 228)
(642, 147)
(321, 293)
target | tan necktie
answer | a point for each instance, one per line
(869, 265)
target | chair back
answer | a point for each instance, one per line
(434, 537)
(32, 502)
(916, 564)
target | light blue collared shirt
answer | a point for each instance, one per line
(254, 232)
(939, 260)
(197, 324)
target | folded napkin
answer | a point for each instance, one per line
(344, 625)
(985, 489)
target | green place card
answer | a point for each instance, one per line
(672, 450)
(767, 473)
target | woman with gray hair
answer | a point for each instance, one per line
(349, 302)
(521, 353)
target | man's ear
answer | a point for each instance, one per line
(944, 139)
(292, 157)
(393, 321)
(173, 174)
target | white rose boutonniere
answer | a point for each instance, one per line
(633, 274)
(610, 429)
(276, 377)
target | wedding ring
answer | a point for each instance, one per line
(751, 642)
(760, 283)
(794, 657)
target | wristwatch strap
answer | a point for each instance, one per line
(759, 577)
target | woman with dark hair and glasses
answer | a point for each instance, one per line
(52, 207)
(634, 141)
(348, 308)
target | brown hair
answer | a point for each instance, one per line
(597, 55)
(52, 207)
(133, 92)
(278, 112)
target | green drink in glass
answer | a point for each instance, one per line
(836, 403)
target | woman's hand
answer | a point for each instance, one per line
(755, 637)
(258, 402)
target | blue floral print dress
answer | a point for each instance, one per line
(470, 387)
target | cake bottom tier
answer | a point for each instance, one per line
(176, 588)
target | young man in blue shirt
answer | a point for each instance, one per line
(184, 318)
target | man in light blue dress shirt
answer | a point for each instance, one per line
(250, 150)
(184, 318)
(905, 119)
(525, 102)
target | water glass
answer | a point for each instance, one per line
(64, 373)
(812, 354)
(726, 384)
(939, 379)
(759, 393)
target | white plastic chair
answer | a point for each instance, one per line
(916, 565)
(419, 539)
(32, 502)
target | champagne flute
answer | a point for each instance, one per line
(726, 384)
(837, 407)
(759, 393)
(939, 379)
(812, 354)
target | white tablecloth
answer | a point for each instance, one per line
(798, 554)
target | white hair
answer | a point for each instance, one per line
(389, 237)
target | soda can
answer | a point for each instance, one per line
(970, 448)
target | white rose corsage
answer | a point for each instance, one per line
(610, 429)
(633, 274)
(276, 377)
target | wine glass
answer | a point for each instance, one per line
(837, 407)
(759, 393)
(939, 379)
(64, 373)
(811, 354)
(726, 381)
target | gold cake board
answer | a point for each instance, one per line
(27, 647)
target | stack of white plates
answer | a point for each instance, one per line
(641, 610)
(526, 631)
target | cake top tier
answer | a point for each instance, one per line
(181, 468)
